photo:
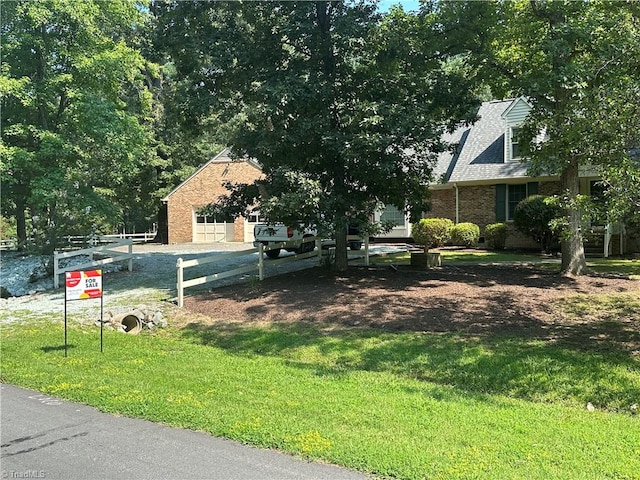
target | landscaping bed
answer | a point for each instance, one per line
(478, 300)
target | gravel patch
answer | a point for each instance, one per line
(152, 281)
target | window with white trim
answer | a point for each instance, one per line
(393, 214)
(515, 194)
(509, 195)
(515, 143)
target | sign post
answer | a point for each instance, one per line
(83, 285)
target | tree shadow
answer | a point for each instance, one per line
(482, 341)
(516, 367)
(56, 348)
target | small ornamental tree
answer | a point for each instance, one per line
(432, 232)
(533, 217)
(465, 234)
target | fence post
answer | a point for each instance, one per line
(261, 262)
(130, 250)
(366, 250)
(179, 284)
(319, 247)
(56, 268)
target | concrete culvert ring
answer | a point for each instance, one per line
(132, 324)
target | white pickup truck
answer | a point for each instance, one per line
(293, 239)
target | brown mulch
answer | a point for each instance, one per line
(475, 300)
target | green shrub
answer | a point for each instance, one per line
(432, 232)
(533, 217)
(465, 234)
(496, 235)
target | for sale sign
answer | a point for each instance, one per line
(83, 285)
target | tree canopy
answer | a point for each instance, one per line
(578, 64)
(343, 109)
(77, 141)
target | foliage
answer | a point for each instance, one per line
(533, 217)
(496, 235)
(577, 63)
(7, 228)
(622, 191)
(354, 103)
(76, 117)
(466, 234)
(432, 232)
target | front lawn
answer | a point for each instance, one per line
(472, 402)
(401, 405)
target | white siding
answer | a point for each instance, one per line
(513, 116)
(517, 112)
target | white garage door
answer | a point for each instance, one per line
(208, 230)
(249, 223)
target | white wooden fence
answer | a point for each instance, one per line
(258, 267)
(112, 256)
(8, 244)
(105, 239)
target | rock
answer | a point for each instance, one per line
(634, 408)
(590, 407)
(4, 292)
(158, 320)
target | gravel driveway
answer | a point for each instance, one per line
(152, 282)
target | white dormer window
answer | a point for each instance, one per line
(514, 116)
(515, 146)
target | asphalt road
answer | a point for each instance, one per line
(48, 438)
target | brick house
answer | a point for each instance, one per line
(484, 179)
(203, 187)
(481, 182)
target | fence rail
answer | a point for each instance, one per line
(8, 244)
(84, 241)
(105, 239)
(258, 267)
(103, 250)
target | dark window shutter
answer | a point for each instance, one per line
(532, 188)
(501, 202)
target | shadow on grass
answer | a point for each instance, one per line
(490, 330)
(549, 371)
(56, 348)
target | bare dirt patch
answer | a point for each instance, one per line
(475, 300)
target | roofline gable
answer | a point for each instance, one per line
(522, 98)
(216, 159)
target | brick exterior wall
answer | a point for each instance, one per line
(477, 204)
(201, 189)
(443, 204)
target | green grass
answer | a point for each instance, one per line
(615, 265)
(466, 256)
(403, 405)
(597, 265)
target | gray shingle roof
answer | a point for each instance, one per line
(480, 153)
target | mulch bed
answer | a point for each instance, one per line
(474, 300)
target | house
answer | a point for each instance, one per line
(481, 182)
(483, 179)
(182, 223)
(205, 186)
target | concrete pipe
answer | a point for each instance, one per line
(132, 324)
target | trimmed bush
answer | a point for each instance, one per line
(496, 235)
(432, 232)
(533, 217)
(465, 234)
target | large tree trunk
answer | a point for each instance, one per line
(341, 247)
(573, 260)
